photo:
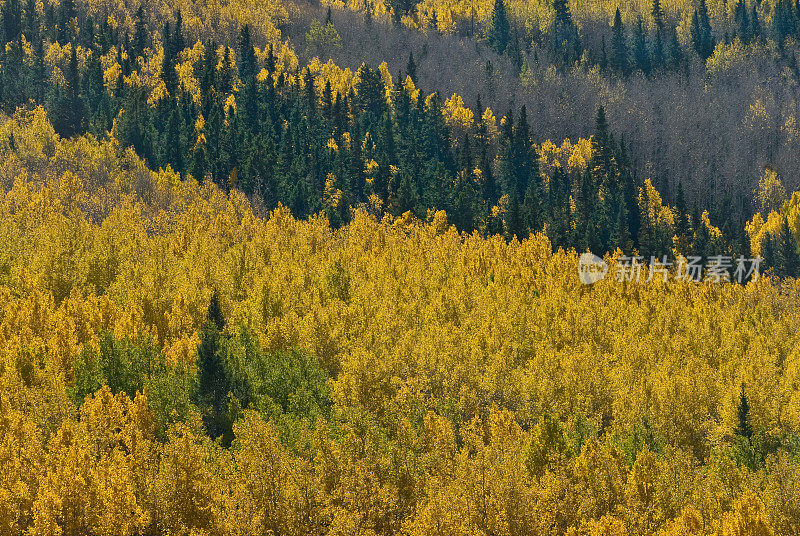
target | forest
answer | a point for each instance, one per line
(276, 267)
(205, 101)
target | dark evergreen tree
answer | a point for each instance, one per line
(755, 23)
(407, 196)
(67, 17)
(95, 95)
(702, 36)
(11, 15)
(640, 53)
(135, 123)
(248, 71)
(565, 41)
(659, 34)
(784, 21)
(603, 55)
(214, 312)
(743, 426)
(68, 106)
(464, 204)
(173, 146)
(225, 72)
(12, 75)
(657, 12)
(619, 45)
(411, 68)
(168, 63)
(602, 165)
(247, 57)
(683, 230)
(50, 21)
(31, 26)
(213, 382)
(140, 34)
(87, 36)
(499, 30)
(630, 196)
(620, 235)
(742, 19)
(178, 43)
(557, 213)
(676, 56)
(38, 74)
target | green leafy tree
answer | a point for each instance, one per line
(322, 39)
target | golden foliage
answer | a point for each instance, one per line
(444, 352)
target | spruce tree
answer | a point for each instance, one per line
(621, 236)
(67, 14)
(93, 88)
(68, 108)
(464, 196)
(248, 71)
(139, 34)
(619, 45)
(38, 71)
(682, 225)
(31, 27)
(603, 55)
(557, 210)
(657, 13)
(168, 73)
(178, 43)
(565, 41)
(500, 30)
(602, 165)
(658, 34)
(247, 57)
(12, 74)
(755, 24)
(640, 52)
(702, 36)
(563, 14)
(676, 57)
(213, 383)
(784, 21)
(173, 141)
(411, 68)
(742, 20)
(11, 15)
(407, 195)
(743, 427)
(214, 311)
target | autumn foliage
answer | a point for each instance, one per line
(387, 377)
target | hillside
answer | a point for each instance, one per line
(238, 105)
(712, 125)
(386, 377)
(486, 268)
